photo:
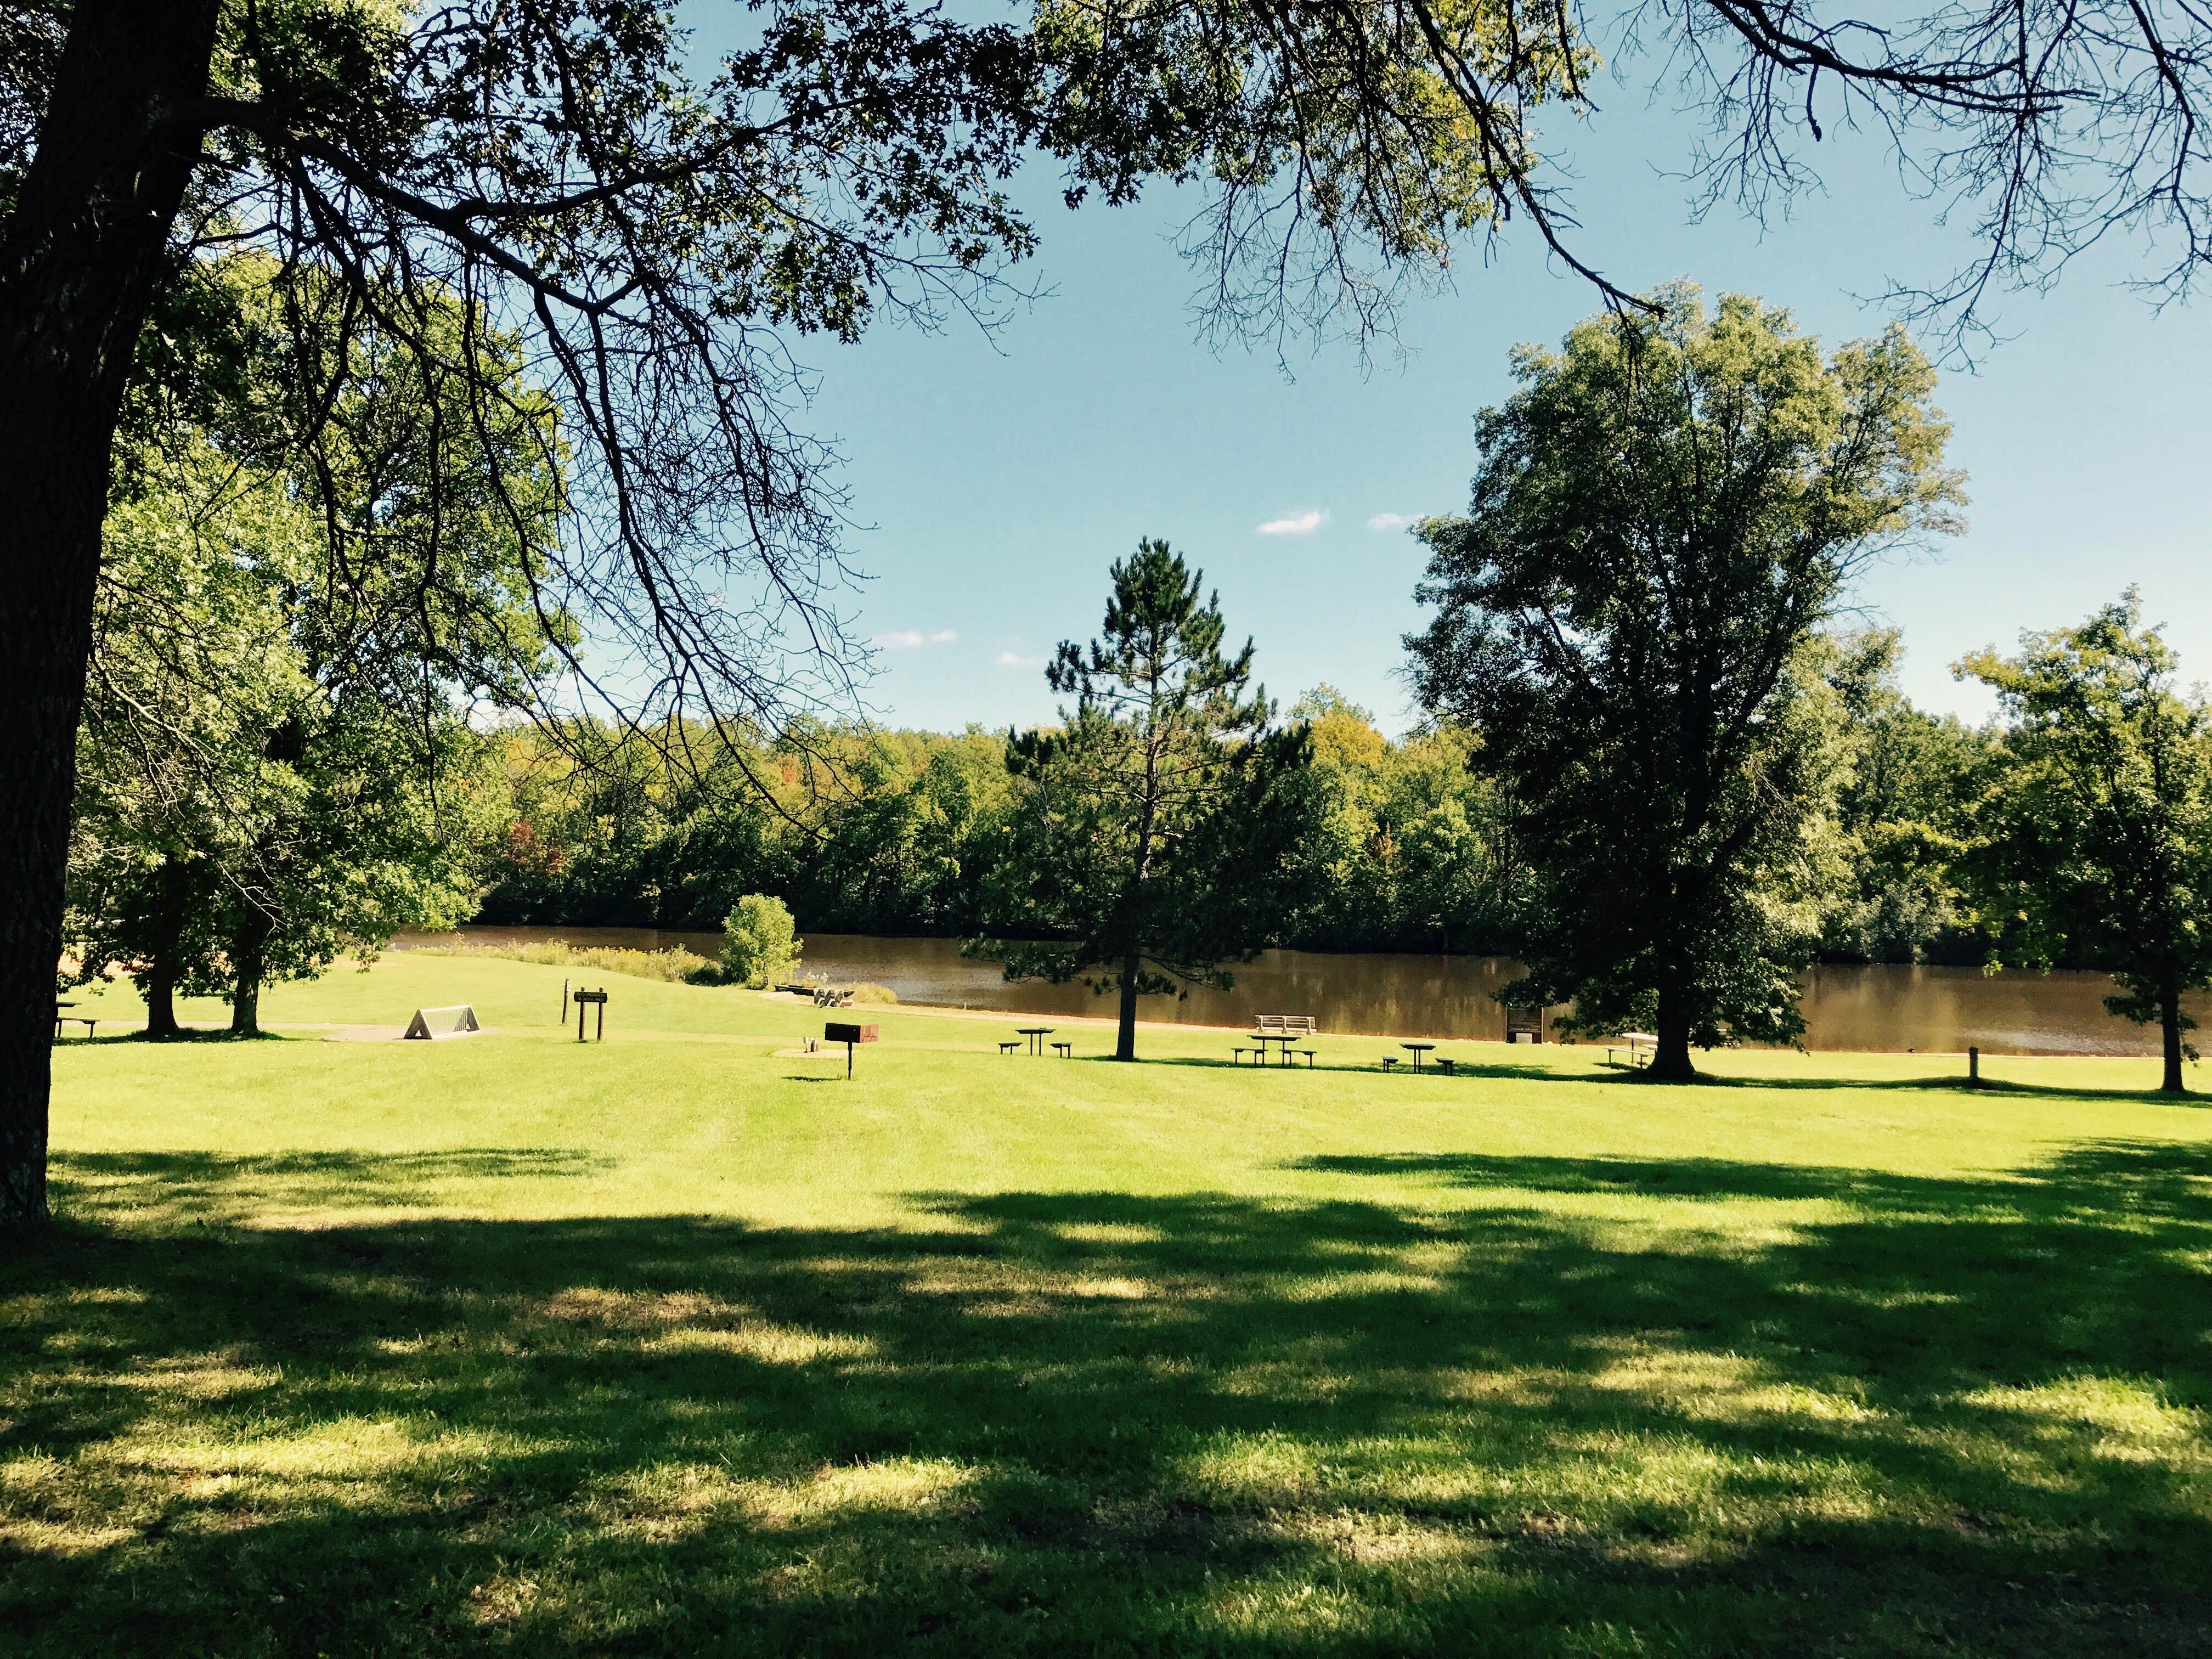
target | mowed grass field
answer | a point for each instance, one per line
(669, 1345)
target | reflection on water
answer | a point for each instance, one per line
(1930, 1009)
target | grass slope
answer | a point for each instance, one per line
(672, 1345)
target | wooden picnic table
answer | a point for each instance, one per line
(1036, 1035)
(1419, 1048)
(1287, 1039)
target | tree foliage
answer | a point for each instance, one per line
(277, 760)
(1143, 856)
(759, 940)
(1664, 518)
(2094, 834)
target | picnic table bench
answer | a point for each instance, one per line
(1284, 1029)
(91, 1023)
(1634, 1043)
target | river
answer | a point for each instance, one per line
(1932, 1010)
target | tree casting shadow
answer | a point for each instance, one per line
(1110, 1422)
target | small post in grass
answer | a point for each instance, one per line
(585, 997)
(1973, 1068)
(563, 1019)
(837, 1032)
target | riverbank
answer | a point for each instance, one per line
(1874, 1009)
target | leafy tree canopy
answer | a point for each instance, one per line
(1664, 518)
(2094, 834)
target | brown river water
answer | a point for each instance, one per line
(1892, 1008)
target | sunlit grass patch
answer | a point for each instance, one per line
(658, 1347)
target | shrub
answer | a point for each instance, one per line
(757, 942)
(673, 965)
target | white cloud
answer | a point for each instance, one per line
(1391, 520)
(1009, 659)
(1298, 524)
(912, 639)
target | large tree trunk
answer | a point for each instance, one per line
(79, 260)
(159, 987)
(2169, 1011)
(248, 961)
(1670, 1060)
(1124, 1040)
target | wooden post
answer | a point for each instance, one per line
(1973, 1068)
(563, 1020)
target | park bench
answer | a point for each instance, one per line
(1308, 1052)
(1445, 1065)
(1389, 1062)
(1638, 1045)
(1064, 1050)
(829, 998)
(1009, 1048)
(91, 1024)
(1286, 1026)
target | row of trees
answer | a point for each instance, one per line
(1637, 616)
(276, 760)
(869, 830)
(1403, 843)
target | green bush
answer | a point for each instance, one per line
(758, 941)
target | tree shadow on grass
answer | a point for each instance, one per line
(1956, 1080)
(1902, 1415)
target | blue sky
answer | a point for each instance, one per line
(996, 479)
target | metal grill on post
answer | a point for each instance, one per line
(838, 1032)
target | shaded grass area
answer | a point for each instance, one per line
(515, 1348)
(1957, 1416)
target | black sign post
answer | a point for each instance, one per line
(837, 1032)
(598, 997)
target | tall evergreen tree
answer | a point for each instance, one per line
(1145, 858)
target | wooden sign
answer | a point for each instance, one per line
(585, 999)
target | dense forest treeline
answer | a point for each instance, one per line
(1401, 846)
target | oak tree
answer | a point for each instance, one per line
(2094, 840)
(1665, 515)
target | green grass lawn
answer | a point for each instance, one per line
(670, 1345)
